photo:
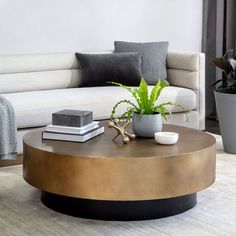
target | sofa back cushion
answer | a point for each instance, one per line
(38, 72)
(57, 71)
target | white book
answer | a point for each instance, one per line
(72, 130)
(73, 137)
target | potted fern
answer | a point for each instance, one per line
(225, 96)
(145, 113)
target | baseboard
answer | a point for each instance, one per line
(18, 161)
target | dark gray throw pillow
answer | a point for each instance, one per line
(98, 69)
(153, 57)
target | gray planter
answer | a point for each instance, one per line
(226, 109)
(146, 125)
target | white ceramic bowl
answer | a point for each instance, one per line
(166, 138)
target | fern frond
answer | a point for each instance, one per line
(156, 91)
(119, 103)
(143, 96)
(172, 104)
(132, 91)
(153, 93)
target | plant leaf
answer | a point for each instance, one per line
(216, 82)
(113, 112)
(223, 64)
(132, 91)
(143, 96)
(156, 91)
(229, 54)
(232, 63)
(160, 108)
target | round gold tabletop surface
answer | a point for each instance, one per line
(190, 140)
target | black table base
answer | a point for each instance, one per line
(119, 210)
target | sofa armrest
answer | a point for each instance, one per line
(187, 70)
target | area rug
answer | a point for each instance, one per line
(22, 213)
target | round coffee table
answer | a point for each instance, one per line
(107, 180)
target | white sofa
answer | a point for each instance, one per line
(38, 85)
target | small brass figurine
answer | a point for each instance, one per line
(126, 137)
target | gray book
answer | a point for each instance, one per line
(72, 118)
(72, 137)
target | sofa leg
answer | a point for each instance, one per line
(18, 161)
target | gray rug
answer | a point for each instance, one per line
(22, 213)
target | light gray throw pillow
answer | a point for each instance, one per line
(153, 57)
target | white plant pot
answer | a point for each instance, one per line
(146, 125)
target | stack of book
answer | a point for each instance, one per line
(72, 125)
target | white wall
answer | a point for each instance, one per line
(38, 26)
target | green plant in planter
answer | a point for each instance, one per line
(145, 103)
(225, 98)
(227, 64)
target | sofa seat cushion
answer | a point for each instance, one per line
(35, 108)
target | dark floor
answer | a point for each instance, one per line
(212, 126)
